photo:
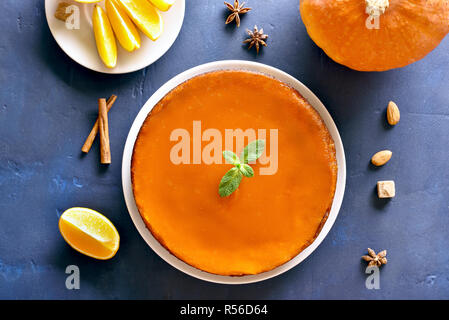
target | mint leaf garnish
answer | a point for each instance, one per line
(246, 170)
(252, 151)
(231, 180)
(231, 157)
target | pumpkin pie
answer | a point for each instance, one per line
(271, 217)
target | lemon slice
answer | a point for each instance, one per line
(162, 5)
(146, 17)
(124, 29)
(89, 232)
(104, 37)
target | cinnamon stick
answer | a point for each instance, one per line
(93, 133)
(105, 151)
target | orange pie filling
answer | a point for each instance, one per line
(272, 216)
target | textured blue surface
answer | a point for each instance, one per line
(48, 106)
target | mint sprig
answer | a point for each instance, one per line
(231, 180)
(231, 157)
(252, 151)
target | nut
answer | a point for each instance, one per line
(393, 114)
(61, 11)
(386, 189)
(381, 158)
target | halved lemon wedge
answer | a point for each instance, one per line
(89, 232)
(104, 37)
(124, 29)
(146, 17)
(163, 5)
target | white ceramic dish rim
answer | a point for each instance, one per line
(157, 96)
(137, 66)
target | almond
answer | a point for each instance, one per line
(393, 114)
(381, 158)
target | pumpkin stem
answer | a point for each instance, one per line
(375, 8)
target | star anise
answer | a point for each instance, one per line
(256, 37)
(376, 259)
(236, 10)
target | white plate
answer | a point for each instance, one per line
(80, 44)
(158, 95)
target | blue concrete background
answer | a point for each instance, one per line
(48, 106)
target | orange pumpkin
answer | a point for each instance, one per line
(376, 35)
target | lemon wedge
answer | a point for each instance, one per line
(162, 5)
(124, 29)
(146, 17)
(89, 232)
(104, 37)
